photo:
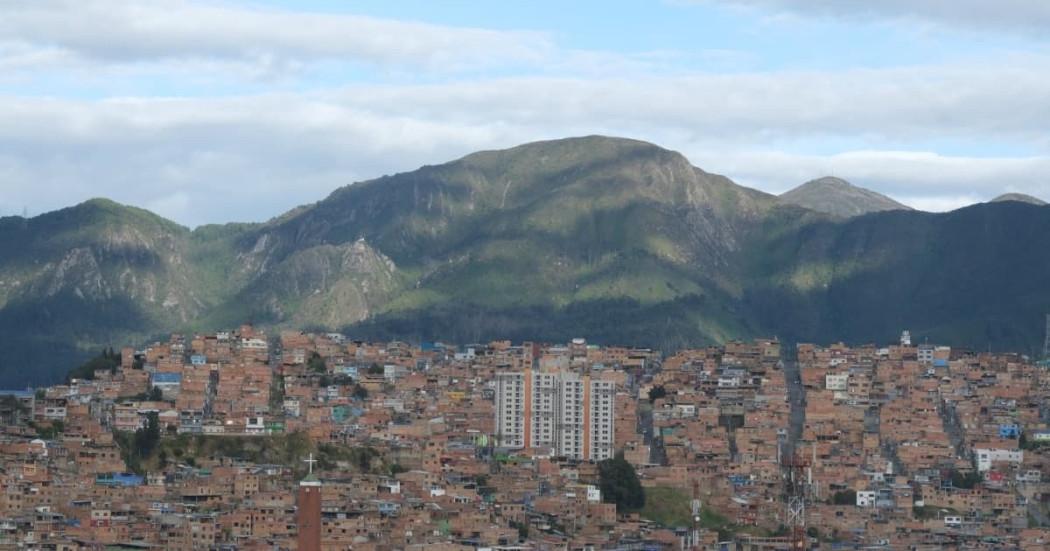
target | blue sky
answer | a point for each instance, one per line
(211, 112)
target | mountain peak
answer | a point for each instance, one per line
(547, 154)
(1019, 197)
(837, 197)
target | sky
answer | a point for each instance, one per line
(221, 111)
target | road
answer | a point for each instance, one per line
(796, 394)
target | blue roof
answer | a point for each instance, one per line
(167, 378)
(119, 479)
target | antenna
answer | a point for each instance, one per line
(695, 507)
(796, 488)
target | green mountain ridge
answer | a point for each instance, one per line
(616, 240)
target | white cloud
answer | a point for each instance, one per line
(904, 103)
(1031, 16)
(252, 157)
(941, 203)
(926, 181)
(268, 40)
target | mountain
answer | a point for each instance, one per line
(1019, 197)
(500, 239)
(838, 197)
(615, 240)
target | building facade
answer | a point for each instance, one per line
(556, 413)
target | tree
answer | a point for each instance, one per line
(156, 394)
(51, 431)
(375, 369)
(523, 529)
(360, 392)
(657, 392)
(845, 497)
(105, 360)
(620, 485)
(966, 480)
(316, 363)
(147, 438)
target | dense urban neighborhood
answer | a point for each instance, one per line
(248, 440)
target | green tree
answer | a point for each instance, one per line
(316, 363)
(51, 431)
(523, 529)
(105, 360)
(375, 369)
(360, 392)
(845, 497)
(620, 485)
(147, 438)
(156, 394)
(966, 480)
(657, 392)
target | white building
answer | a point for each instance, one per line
(986, 457)
(510, 410)
(558, 413)
(836, 381)
(925, 354)
(866, 498)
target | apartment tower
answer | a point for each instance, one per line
(558, 413)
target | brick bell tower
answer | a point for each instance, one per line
(308, 515)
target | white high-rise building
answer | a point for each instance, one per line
(560, 413)
(510, 410)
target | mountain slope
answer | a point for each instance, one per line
(543, 225)
(611, 239)
(1019, 197)
(971, 277)
(838, 197)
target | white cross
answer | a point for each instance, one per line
(311, 462)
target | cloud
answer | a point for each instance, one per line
(1030, 16)
(267, 40)
(923, 180)
(251, 157)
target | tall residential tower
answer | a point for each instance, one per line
(557, 413)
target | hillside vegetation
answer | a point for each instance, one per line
(615, 240)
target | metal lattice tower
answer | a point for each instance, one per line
(796, 486)
(695, 508)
